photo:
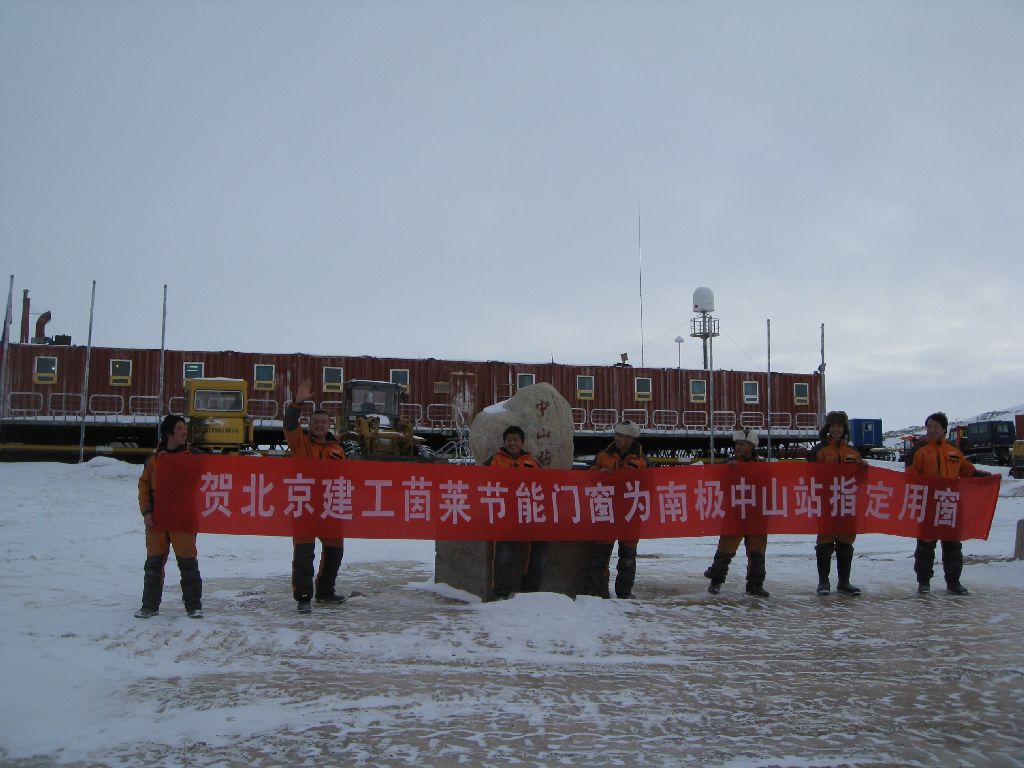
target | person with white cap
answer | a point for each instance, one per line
(745, 441)
(623, 453)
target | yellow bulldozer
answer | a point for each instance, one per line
(371, 424)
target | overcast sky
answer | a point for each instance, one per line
(464, 180)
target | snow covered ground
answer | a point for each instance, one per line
(418, 674)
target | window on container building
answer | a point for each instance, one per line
(400, 376)
(584, 387)
(642, 388)
(120, 373)
(525, 380)
(334, 377)
(750, 393)
(698, 391)
(801, 394)
(193, 371)
(263, 376)
(45, 370)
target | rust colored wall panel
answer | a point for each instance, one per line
(469, 385)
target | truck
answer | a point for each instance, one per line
(985, 442)
(866, 437)
(1017, 460)
(217, 414)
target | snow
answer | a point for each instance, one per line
(413, 673)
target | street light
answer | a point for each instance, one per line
(679, 359)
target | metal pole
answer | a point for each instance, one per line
(821, 384)
(163, 338)
(7, 344)
(711, 393)
(640, 254)
(85, 379)
(768, 410)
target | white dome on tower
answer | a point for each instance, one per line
(703, 300)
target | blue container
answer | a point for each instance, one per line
(866, 433)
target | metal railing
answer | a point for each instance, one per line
(24, 403)
(440, 416)
(604, 418)
(413, 412)
(666, 420)
(638, 415)
(263, 409)
(752, 419)
(64, 404)
(722, 420)
(102, 407)
(106, 405)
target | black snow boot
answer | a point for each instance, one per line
(717, 571)
(330, 561)
(191, 586)
(626, 568)
(152, 586)
(924, 562)
(823, 552)
(844, 564)
(534, 575)
(755, 575)
(302, 572)
(508, 558)
(597, 575)
(953, 566)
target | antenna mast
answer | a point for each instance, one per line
(640, 254)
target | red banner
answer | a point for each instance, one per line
(397, 500)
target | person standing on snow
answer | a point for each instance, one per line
(507, 554)
(623, 453)
(745, 442)
(834, 448)
(938, 458)
(318, 444)
(173, 439)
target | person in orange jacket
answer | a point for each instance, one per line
(173, 439)
(508, 554)
(624, 452)
(938, 458)
(745, 441)
(319, 443)
(834, 448)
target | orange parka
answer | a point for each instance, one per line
(303, 446)
(831, 451)
(506, 460)
(611, 459)
(939, 458)
(147, 482)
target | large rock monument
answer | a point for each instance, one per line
(546, 418)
